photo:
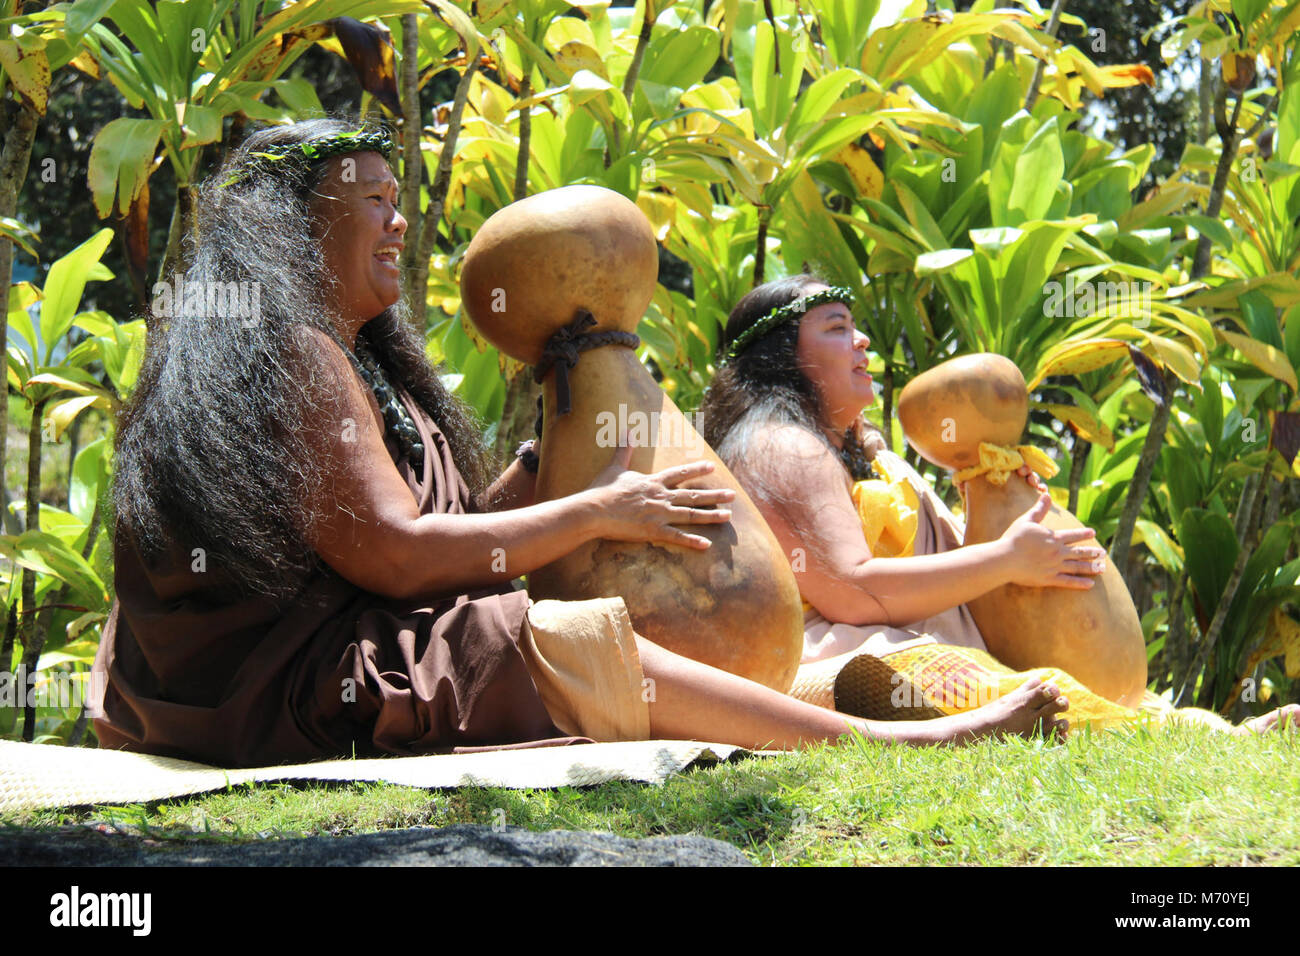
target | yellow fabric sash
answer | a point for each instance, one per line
(887, 508)
(997, 462)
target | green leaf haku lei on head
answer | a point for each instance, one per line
(785, 313)
(312, 151)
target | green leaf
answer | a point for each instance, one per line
(940, 261)
(121, 160)
(1211, 227)
(1210, 550)
(89, 478)
(1160, 544)
(64, 287)
(1246, 11)
(1037, 172)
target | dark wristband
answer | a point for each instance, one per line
(528, 458)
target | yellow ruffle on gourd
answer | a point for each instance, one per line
(997, 463)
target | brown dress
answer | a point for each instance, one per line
(193, 670)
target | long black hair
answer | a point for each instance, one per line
(211, 449)
(764, 385)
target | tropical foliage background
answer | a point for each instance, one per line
(1110, 197)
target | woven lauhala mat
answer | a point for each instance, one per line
(48, 776)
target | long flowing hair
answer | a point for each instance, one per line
(211, 448)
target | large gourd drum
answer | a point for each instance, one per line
(1093, 635)
(529, 271)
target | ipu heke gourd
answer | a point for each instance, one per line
(527, 272)
(1093, 635)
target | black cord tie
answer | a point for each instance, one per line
(563, 348)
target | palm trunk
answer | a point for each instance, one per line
(760, 250)
(33, 639)
(14, 160)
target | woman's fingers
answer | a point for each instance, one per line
(1073, 535)
(679, 473)
(699, 515)
(697, 497)
(1085, 567)
(1073, 582)
(673, 535)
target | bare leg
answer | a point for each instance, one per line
(693, 701)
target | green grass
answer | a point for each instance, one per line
(1177, 797)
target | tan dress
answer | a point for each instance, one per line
(191, 669)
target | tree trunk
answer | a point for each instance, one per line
(760, 250)
(174, 260)
(1052, 23)
(887, 405)
(1176, 649)
(1227, 153)
(438, 197)
(1137, 489)
(412, 123)
(33, 639)
(1078, 460)
(14, 160)
(518, 415)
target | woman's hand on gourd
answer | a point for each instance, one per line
(640, 507)
(1042, 557)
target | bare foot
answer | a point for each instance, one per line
(1027, 711)
(1282, 720)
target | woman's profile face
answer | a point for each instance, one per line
(362, 237)
(832, 353)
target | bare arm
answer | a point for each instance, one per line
(844, 582)
(370, 530)
(515, 488)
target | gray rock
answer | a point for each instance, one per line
(460, 845)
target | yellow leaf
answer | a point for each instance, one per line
(1083, 422)
(1263, 356)
(62, 414)
(1281, 638)
(694, 196)
(1079, 357)
(660, 209)
(86, 64)
(1178, 357)
(480, 343)
(575, 56)
(28, 71)
(866, 175)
